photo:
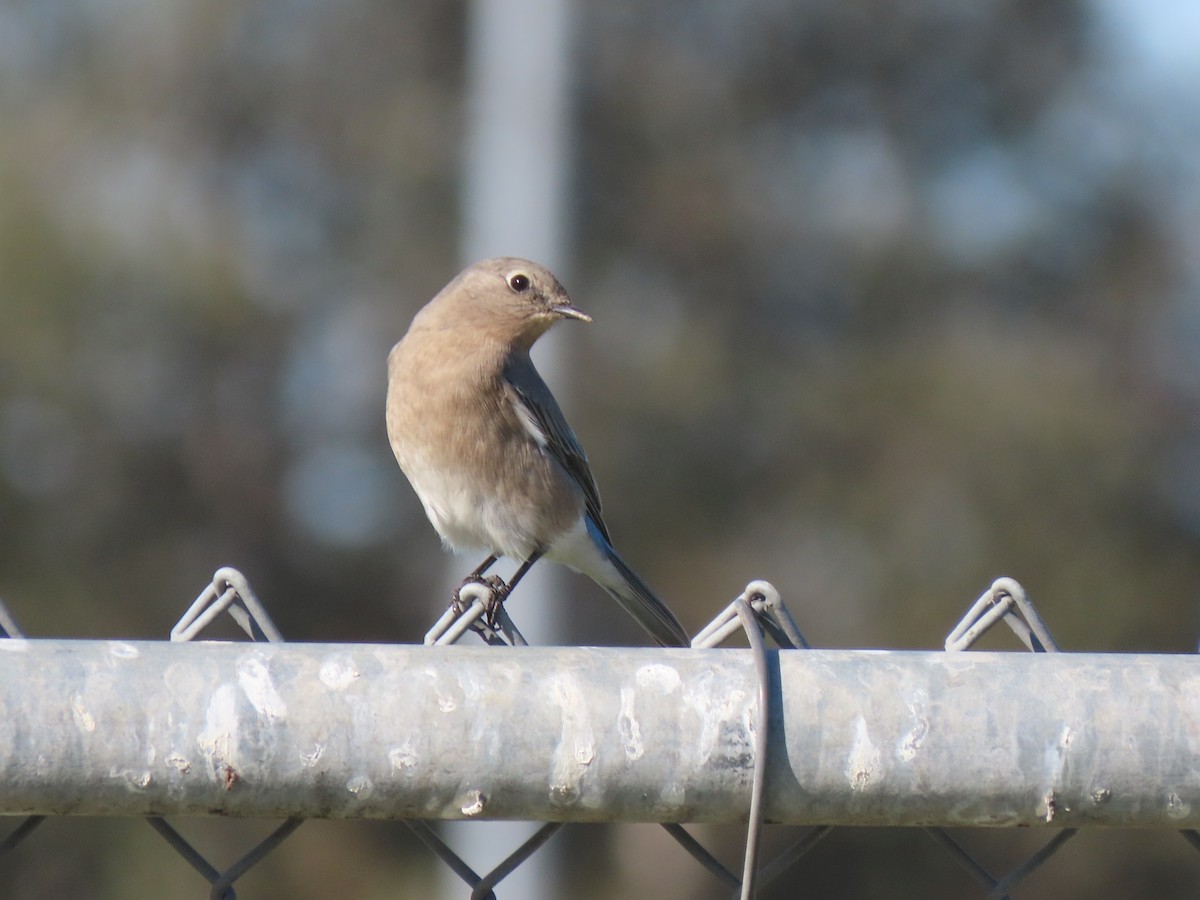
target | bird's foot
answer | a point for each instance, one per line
(499, 593)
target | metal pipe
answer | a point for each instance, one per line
(586, 734)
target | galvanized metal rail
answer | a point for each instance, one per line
(587, 734)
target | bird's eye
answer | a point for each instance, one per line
(519, 282)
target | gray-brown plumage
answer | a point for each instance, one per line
(484, 443)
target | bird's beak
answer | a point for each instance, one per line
(567, 311)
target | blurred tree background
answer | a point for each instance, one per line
(891, 299)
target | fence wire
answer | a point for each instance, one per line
(758, 612)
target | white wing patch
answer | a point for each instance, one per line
(528, 421)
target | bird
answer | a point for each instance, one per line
(486, 446)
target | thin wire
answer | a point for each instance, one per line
(189, 853)
(700, 854)
(788, 857)
(223, 886)
(1191, 836)
(1013, 878)
(960, 855)
(262, 626)
(8, 625)
(19, 833)
(1040, 634)
(754, 827)
(514, 859)
(430, 839)
(776, 614)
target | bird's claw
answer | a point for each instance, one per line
(499, 593)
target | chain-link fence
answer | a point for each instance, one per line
(795, 737)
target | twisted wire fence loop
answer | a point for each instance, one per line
(774, 614)
(1005, 600)
(229, 592)
(475, 599)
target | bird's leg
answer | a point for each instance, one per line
(476, 577)
(502, 590)
(523, 568)
(477, 574)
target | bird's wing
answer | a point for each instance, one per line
(544, 421)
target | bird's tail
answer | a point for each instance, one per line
(644, 605)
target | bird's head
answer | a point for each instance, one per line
(506, 296)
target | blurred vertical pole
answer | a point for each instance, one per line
(514, 204)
